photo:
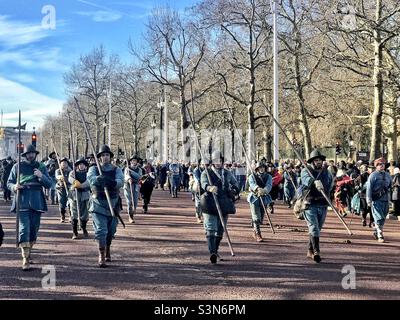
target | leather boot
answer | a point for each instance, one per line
(62, 214)
(25, 252)
(217, 242)
(83, 227)
(316, 255)
(310, 252)
(108, 254)
(212, 248)
(258, 232)
(102, 257)
(74, 229)
(130, 212)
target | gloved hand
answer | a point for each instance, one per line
(318, 184)
(109, 182)
(100, 181)
(76, 184)
(261, 192)
(212, 189)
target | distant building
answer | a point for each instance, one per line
(9, 141)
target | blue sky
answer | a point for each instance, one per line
(33, 58)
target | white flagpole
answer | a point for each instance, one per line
(276, 80)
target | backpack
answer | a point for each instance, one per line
(300, 204)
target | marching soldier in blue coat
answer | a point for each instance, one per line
(290, 184)
(62, 193)
(378, 187)
(224, 185)
(78, 181)
(196, 188)
(260, 184)
(105, 225)
(33, 178)
(175, 173)
(316, 209)
(133, 174)
(52, 166)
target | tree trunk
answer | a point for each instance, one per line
(87, 147)
(392, 141)
(303, 114)
(250, 134)
(376, 121)
(185, 123)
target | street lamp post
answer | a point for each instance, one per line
(351, 144)
(160, 105)
(153, 126)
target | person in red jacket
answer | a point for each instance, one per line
(277, 183)
(343, 190)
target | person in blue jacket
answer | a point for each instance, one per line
(32, 202)
(314, 185)
(378, 187)
(260, 184)
(133, 174)
(224, 185)
(104, 223)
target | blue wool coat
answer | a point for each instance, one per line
(32, 197)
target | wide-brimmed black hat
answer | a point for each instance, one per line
(316, 154)
(64, 159)
(9, 158)
(105, 149)
(51, 154)
(81, 160)
(29, 148)
(259, 165)
(135, 157)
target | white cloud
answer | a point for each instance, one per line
(17, 33)
(101, 16)
(33, 105)
(32, 58)
(23, 77)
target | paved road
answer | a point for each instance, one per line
(164, 256)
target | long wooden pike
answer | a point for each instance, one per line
(97, 161)
(209, 179)
(126, 153)
(78, 210)
(305, 166)
(59, 165)
(247, 158)
(17, 205)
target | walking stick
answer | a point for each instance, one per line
(78, 209)
(247, 158)
(97, 161)
(305, 166)
(209, 179)
(17, 204)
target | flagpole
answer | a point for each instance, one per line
(276, 80)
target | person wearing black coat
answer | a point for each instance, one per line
(7, 166)
(396, 191)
